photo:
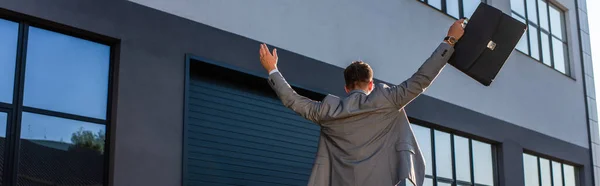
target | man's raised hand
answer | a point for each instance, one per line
(268, 60)
(456, 30)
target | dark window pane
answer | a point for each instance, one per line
(9, 31)
(543, 11)
(56, 151)
(570, 179)
(546, 57)
(545, 172)
(469, 7)
(559, 55)
(522, 45)
(557, 174)
(533, 42)
(443, 156)
(435, 3)
(462, 158)
(556, 22)
(423, 136)
(452, 8)
(531, 11)
(530, 167)
(66, 74)
(483, 167)
(518, 6)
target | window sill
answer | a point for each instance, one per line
(541, 63)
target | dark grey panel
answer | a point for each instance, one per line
(239, 134)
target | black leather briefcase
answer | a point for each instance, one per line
(489, 39)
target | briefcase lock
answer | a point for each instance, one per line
(491, 45)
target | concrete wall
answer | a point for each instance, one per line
(395, 36)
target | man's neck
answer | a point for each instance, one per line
(359, 90)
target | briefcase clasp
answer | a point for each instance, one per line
(491, 45)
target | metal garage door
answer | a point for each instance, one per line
(238, 133)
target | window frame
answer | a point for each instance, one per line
(548, 31)
(444, 10)
(551, 160)
(15, 109)
(453, 181)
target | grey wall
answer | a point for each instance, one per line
(395, 36)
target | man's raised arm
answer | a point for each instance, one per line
(307, 108)
(405, 92)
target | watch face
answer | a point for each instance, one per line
(452, 40)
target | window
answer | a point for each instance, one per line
(455, 8)
(53, 60)
(457, 160)
(545, 39)
(544, 172)
(8, 54)
(61, 105)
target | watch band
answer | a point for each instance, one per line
(450, 39)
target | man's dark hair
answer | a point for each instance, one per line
(357, 74)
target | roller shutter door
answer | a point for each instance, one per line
(240, 134)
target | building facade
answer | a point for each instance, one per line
(153, 92)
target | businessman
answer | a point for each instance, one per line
(366, 139)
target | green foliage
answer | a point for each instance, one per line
(87, 139)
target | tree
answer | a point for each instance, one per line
(87, 139)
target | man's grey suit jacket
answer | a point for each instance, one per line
(366, 139)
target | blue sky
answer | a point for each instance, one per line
(53, 60)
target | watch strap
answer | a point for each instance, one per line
(451, 40)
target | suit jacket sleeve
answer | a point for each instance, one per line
(307, 108)
(402, 94)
